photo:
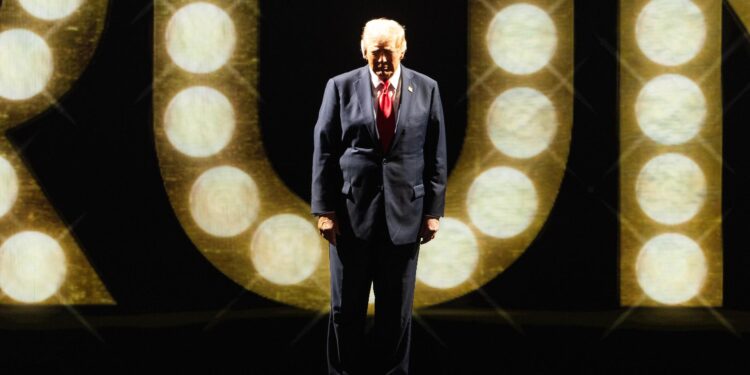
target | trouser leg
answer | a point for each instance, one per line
(394, 280)
(350, 290)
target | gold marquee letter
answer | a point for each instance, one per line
(44, 47)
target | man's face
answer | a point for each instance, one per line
(383, 55)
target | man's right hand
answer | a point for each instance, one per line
(328, 228)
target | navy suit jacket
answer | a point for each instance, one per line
(351, 174)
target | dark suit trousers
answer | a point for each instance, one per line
(392, 270)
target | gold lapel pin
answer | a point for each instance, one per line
(411, 89)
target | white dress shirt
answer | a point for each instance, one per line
(393, 87)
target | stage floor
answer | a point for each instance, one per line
(445, 341)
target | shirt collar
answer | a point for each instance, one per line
(393, 81)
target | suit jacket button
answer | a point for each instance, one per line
(385, 161)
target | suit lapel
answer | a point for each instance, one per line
(364, 98)
(404, 106)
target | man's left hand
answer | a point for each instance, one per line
(430, 226)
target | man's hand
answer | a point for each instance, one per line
(328, 227)
(430, 226)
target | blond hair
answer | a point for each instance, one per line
(384, 26)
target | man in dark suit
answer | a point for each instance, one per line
(378, 189)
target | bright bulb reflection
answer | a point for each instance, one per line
(199, 121)
(671, 268)
(8, 186)
(671, 188)
(285, 249)
(670, 32)
(521, 38)
(522, 122)
(32, 267)
(450, 258)
(224, 201)
(670, 109)
(25, 64)
(200, 37)
(502, 202)
(50, 9)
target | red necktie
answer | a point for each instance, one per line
(385, 119)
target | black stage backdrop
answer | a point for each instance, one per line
(175, 311)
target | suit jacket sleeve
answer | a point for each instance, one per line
(326, 173)
(435, 167)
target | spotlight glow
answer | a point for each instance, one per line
(671, 188)
(671, 109)
(522, 38)
(224, 201)
(32, 267)
(671, 268)
(25, 64)
(50, 9)
(8, 186)
(502, 202)
(450, 258)
(522, 122)
(200, 37)
(199, 121)
(286, 249)
(670, 32)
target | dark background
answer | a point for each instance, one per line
(97, 164)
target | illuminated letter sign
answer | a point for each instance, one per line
(44, 47)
